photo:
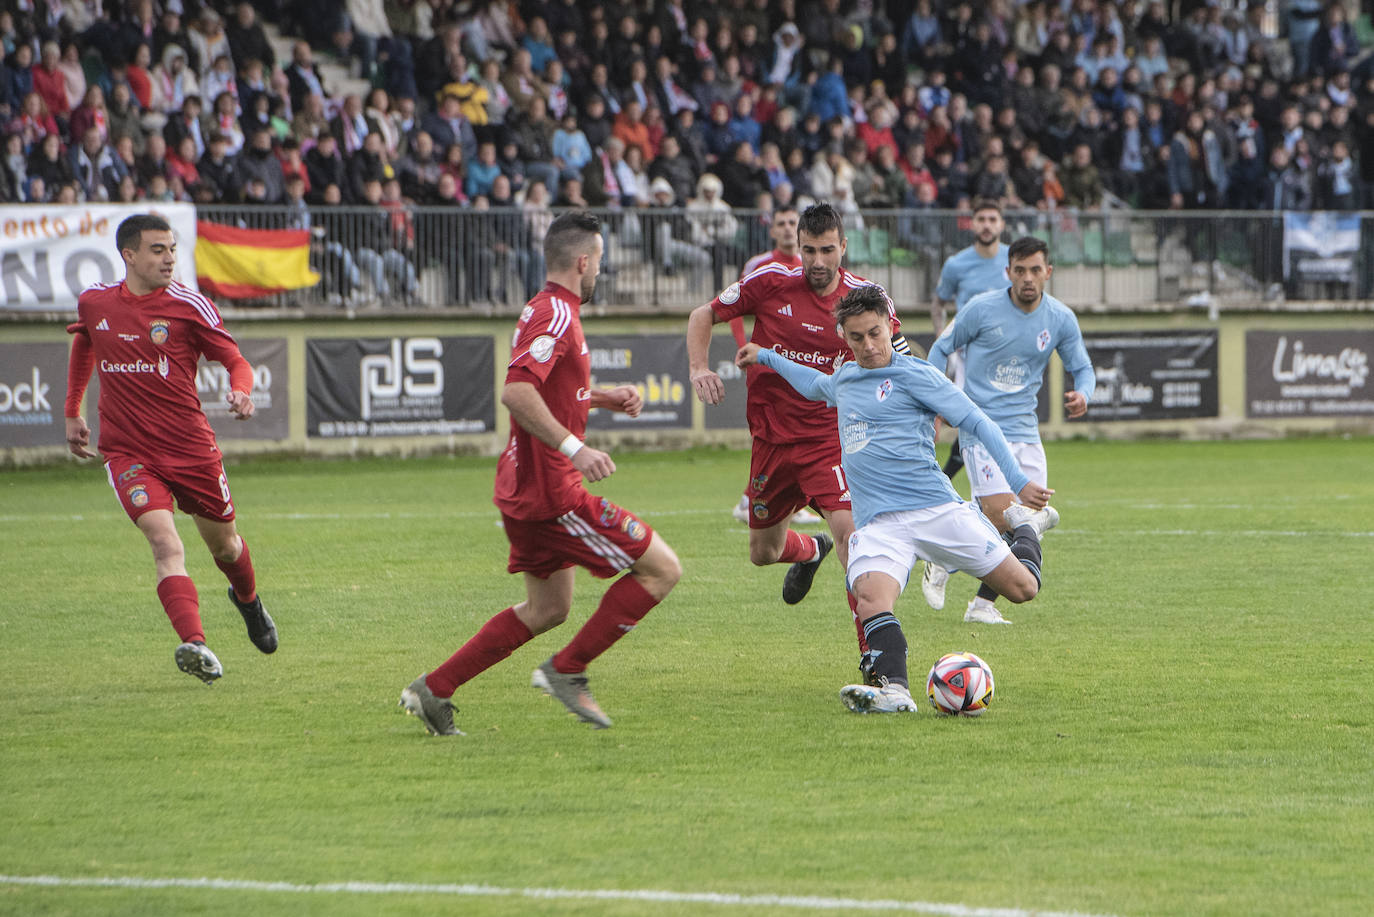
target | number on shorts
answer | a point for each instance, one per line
(224, 487)
(839, 477)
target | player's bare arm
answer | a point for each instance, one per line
(528, 409)
(937, 315)
(705, 383)
(623, 398)
(1075, 404)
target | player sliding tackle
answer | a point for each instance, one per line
(904, 506)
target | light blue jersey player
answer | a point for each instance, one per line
(1008, 336)
(904, 506)
(970, 271)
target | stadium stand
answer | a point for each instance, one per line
(424, 116)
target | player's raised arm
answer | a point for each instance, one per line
(527, 408)
(705, 382)
(809, 383)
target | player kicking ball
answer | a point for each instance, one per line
(904, 506)
(145, 336)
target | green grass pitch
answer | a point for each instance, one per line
(1182, 722)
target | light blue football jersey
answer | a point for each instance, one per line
(966, 273)
(1006, 351)
(887, 430)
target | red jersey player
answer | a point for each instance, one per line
(552, 522)
(795, 459)
(145, 336)
(784, 234)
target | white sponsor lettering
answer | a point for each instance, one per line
(1350, 365)
(25, 397)
(411, 368)
(1010, 376)
(814, 358)
(135, 366)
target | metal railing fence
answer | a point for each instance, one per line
(674, 259)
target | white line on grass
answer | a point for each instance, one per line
(798, 902)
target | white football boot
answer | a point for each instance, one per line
(741, 510)
(1042, 520)
(981, 611)
(933, 585)
(890, 698)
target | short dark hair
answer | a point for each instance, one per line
(1026, 247)
(819, 219)
(130, 232)
(986, 203)
(868, 297)
(569, 236)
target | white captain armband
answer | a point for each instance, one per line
(900, 344)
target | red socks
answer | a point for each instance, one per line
(240, 574)
(179, 600)
(798, 548)
(498, 638)
(621, 608)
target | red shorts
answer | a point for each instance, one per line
(200, 490)
(784, 477)
(596, 535)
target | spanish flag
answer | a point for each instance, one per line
(249, 263)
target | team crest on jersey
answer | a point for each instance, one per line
(542, 348)
(158, 330)
(633, 528)
(1042, 340)
(884, 389)
(138, 496)
(760, 510)
(730, 294)
(609, 513)
(758, 483)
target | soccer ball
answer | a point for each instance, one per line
(960, 683)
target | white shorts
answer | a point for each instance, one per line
(987, 479)
(954, 535)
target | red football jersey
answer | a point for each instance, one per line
(549, 351)
(791, 320)
(773, 257)
(146, 349)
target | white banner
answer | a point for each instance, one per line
(50, 253)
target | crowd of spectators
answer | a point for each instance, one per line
(702, 106)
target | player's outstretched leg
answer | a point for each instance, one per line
(195, 658)
(1026, 526)
(797, 583)
(888, 690)
(435, 712)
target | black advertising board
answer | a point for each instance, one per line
(400, 386)
(656, 364)
(33, 388)
(1152, 375)
(271, 398)
(1308, 373)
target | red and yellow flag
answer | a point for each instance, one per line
(248, 263)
